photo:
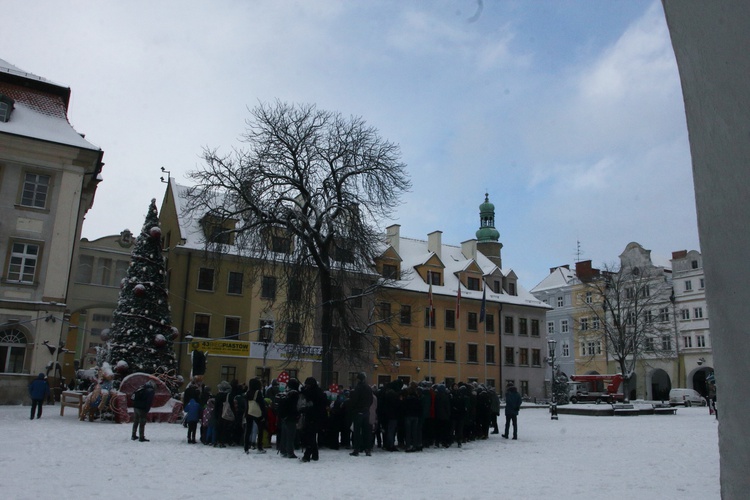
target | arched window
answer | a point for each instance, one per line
(12, 351)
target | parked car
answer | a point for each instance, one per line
(687, 397)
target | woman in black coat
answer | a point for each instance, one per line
(314, 414)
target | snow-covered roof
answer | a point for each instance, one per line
(559, 277)
(413, 251)
(39, 109)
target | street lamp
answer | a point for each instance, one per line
(267, 335)
(552, 343)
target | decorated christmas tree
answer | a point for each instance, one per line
(141, 338)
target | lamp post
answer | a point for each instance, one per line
(552, 343)
(267, 334)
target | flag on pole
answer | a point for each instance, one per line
(458, 300)
(483, 309)
(431, 309)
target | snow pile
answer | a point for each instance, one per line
(644, 457)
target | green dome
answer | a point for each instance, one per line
(487, 231)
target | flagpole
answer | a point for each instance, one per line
(458, 320)
(483, 317)
(430, 319)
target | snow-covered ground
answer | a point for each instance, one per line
(644, 457)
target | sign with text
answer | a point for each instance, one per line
(285, 352)
(221, 347)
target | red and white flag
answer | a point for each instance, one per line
(458, 300)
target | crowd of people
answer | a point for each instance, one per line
(393, 417)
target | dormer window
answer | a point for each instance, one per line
(433, 278)
(6, 107)
(390, 271)
(472, 283)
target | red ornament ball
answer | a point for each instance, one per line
(160, 340)
(155, 232)
(121, 366)
(106, 334)
(175, 333)
(139, 290)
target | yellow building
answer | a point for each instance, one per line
(451, 313)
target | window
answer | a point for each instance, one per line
(560, 301)
(649, 344)
(85, 269)
(645, 291)
(564, 326)
(523, 356)
(405, 348)
(688, 285)
(103, 272)
(383, 380)
(698, 312)
(489, 354)
(234, 283)
(265, 330)
(23, 262)
(201, 325)
(231, 326)
(433, 277)
(630, 318)
(496, 286)
(429, 350)
(685, 313)
(405, 315)
(228, 373)
(666, 342)
(121, 270)
(35, 190)
(489, 323)
(280, 244)
(694, 264)
(509, 356)
(390, 271)
(584, 323)
(384, 347)
(534, 327)
(702, 283)
(450, 318)
(472, 353)
(472, 320)
(523, 327)
(385, 312)
(357, 298)
(589, 298)
(566, 349)
(524, 387)
(450, 351)
(490, 382)
(700, 340)
(550, 327)
(509, 325)
(648, 316)
(268, 288)
(664, 314)
(6, 107)
(591, 347)
(206, 279)
(12, 351)
(293, 333)
(536, 357)
(687, 341)
(511, 288)
(429, 317)
(595, 323)
(472, 283)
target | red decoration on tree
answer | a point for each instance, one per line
(122, 367)
(106, 334)
(283, 378)
(175, 333)
(139, 290)
(155, 232)
(160, 340)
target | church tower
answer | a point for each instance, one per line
(488, 238)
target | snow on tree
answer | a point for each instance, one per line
(141, 337)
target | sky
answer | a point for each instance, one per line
(568, 113)
(646, 457)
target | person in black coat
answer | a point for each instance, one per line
(314, 413)
(142, 400)
(38, 391)
(512, 407)
(360, 402)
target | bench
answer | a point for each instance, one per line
(625, 410)
(665, 410)
(73, 399)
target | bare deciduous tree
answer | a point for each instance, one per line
(302, 202)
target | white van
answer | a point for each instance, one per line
(687, 397)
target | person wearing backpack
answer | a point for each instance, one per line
(193, 411)
(255, 414)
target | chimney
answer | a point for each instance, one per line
(469, 249)
(435, 243)
(585, 272)
(393, 235)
